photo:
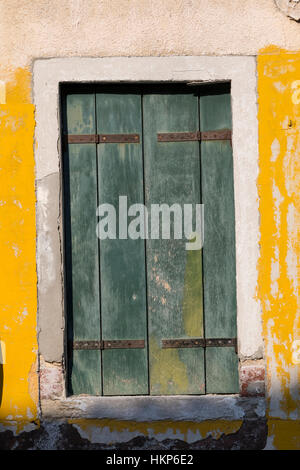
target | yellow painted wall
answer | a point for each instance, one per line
(278, 286)
(18, 300)
(279, 268)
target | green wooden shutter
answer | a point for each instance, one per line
(123, 290)
(82, 255)
(172, 175)
(219, 245)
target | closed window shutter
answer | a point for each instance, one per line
(122, 291)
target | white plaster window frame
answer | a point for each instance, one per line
(48, 74)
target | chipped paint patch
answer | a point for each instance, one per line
(2, 92)
(110, 431)
(2, 352)
(18, 86)
(283, 435)
(18, 426)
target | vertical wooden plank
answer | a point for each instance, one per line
(82, 265)
(122, 261)
(172, 175)
(86, 372)
(219, 245)
(222, 370)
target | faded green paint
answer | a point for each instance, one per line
(122, 261)
(219, 245)
(82, 257)
(125, 372)
(86, 376)
(221, 370)
(171, 173)
(172, 176)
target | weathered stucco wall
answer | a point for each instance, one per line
(32, 29)
(52, 28)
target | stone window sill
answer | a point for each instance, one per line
(156, 408)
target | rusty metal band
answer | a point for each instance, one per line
(166, 343)
(103, 138)
(183, 343)
(113, 344)
(194, 136)
(178, 136)
(199, 343)
(220, 342)
(124, 344)
(215, 135)
(82, 139)
(119, 138)
(86, 344)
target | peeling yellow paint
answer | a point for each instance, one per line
(33, 382)
(18, 86)
(182, 429)
(2, 92)
(2, 352)
(284, 434)
(279, 204)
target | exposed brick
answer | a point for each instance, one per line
(51, 381)
(252, 379)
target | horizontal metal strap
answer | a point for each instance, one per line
(82, 139)
(194, 136)
(216, 135)
(86, 344)
(199, 343)
(178, 136)
(113, 344)
(119, 138)
(220, 342)
(102, 138)
(124, 344)
(135, 138)
(183, 343)
(166, 343)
